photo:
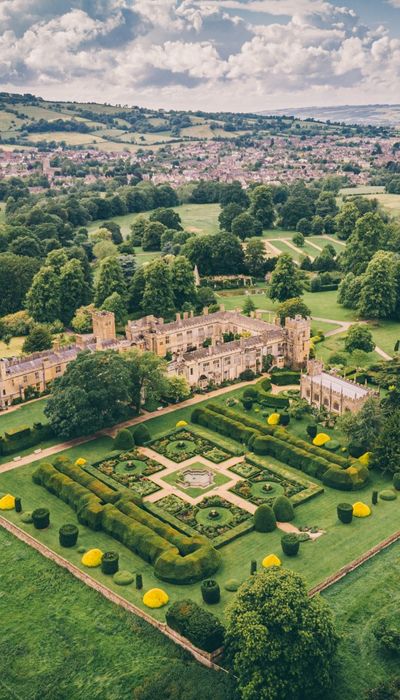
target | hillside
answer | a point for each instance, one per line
(26, 120)
(375, 115)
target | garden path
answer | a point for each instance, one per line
(343, 327)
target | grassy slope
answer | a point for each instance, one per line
(62, 641)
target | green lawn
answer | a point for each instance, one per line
(358, 601)
(27, 414)
(335, 344)
(61, 640)
(386, 334)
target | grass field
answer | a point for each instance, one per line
(386, 334)
(28, 414)
(61, 640)
(14, 348)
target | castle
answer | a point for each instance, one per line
(194, 346)
(333, 393)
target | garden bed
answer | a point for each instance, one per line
(183, 444)
(131, 469)
(202, 519)
(264, 485)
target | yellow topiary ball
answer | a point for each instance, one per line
(321, 439)
(92, 558)
(361, 510)
(181, 424)
(80, 462)
(365, 458)
(273, 419)
(271, 560)
(155, 598)
(7, 502)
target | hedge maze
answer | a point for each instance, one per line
(333, 470)
(176, 558)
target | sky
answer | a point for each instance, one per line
(230, 55)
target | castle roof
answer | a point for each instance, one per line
(341, 386)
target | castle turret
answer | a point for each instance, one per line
(298, 332)
(103, 327)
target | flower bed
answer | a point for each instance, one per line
(132, 469)
(213, 517)
(183, 444)
(263, 486)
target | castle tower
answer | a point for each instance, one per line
(314, 368)
(298, 332)
(103, 327)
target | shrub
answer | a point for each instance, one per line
(264, 519)
(361, 510)
(271, 560)
(141, 434)
(123, 578)
(388, 637)
(253, 567)
(283, 509)
(312, 431)
(273, 419)
(210, 591)
(124, 440)
(285, 419)
(139, 582)
(18, 504)
(109, 563)
(321, 439)
(285, 377)
(68, 535)
(231, 585)
(155, 598)
(247, 403)
(247, 375)
(345, 513)
(41, 518)
(199, 626)
(374, 497)
(250, 393)
(396, 481)
(7, 502)
(290, 544)
(356, 449)
(387, 495)
(27, 517)
(92, 558)
(332, 445)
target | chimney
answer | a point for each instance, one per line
(205, 311)
(191, 314)
(177, 316)
(258, 314)
(222, 307)
(185, 315)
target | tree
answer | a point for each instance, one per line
(16, 276)
(326, 205)
(325, 261)
(199, 250)
(386, 454)
(152, 235)
(317, 225)
(111, 279)
(297, 207)
(116, 303)
(26, 245)
(255, 257)
(168, 217)
(124, 440)
(176, 389)
(93, 393)
(304, 227)
(39, 338)
(227, 256)
(147, 376)
(285, 280)
(233, 192)
(245, 225)
(137, 230)
(298, 239)
(368, 237)
(72, 293)
(228, 214)
(104, 249)
(136, 290)
(346, 220)
(43, 299)
(262, 206)
(158, 296)
(82, 321)
(349, 291)
(364, 426)
(359, 338)
(378, 294)
(115, 230)
(205, 297)
(248, 306)
(281, 643)
(183, 286)
(291, 308)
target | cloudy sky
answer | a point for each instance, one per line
(237, 55)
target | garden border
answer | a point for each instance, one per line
(207, 659)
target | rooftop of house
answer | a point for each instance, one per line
(341, 386)
(158, 327)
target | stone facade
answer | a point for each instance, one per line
(182, 341)
(333, 393)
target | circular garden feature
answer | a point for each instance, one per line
(133, 465)
(177, 447)
(214, 514)
(264, 489)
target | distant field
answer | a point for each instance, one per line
(14, 348)
(362, 189)
(72, 138)
(390, 202)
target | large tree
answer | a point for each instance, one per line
(365, 426)
(147, 376)
(368, 237)
(346, 220)
(94, 392)
(281, 642)
(262, 206)
(359, 338)
(43, 300)
(183, 286)
(111, 279)
(167, 217)
(386, 454)
(291, 308)
(255, 257)
(378, 293)
(39, 338)
(285, 280)
(72, 289)
(158, 296)
(228, 214)
(16, 275)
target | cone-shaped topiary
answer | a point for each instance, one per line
(141, 434)
(283, 509)
(124, 440)
(264, 519)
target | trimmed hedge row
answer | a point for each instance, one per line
(234, 429)
(199, 626)
(176, 558)
(285, 377)
(24, 437)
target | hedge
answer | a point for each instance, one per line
(284, 377)
(141, 434)
(24, 437)
(199, 626)
(176, 558)
(106, 493)
(353, 477)
(234, 429)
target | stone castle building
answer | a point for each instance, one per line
(333, 393)
(194, 345)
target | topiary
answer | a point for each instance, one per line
(356, 449)
(231, 585)
(396, 481)
(124, 440)
(81, 549)
(374, 499)
(139, 582)
(250, 393)
(210, 591)
(345, 513)
(387, 495)
(68, 535)
(253, 567)
(109, 563)
(290, 544)
(27, 517)
(264, 519)
(199, 626)
(123, 578)
(285, 419)
(283, 509)
(311, 431)
(247, 403)
(141, 434)
(18, 504)
(332, 445)
(41, 518)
